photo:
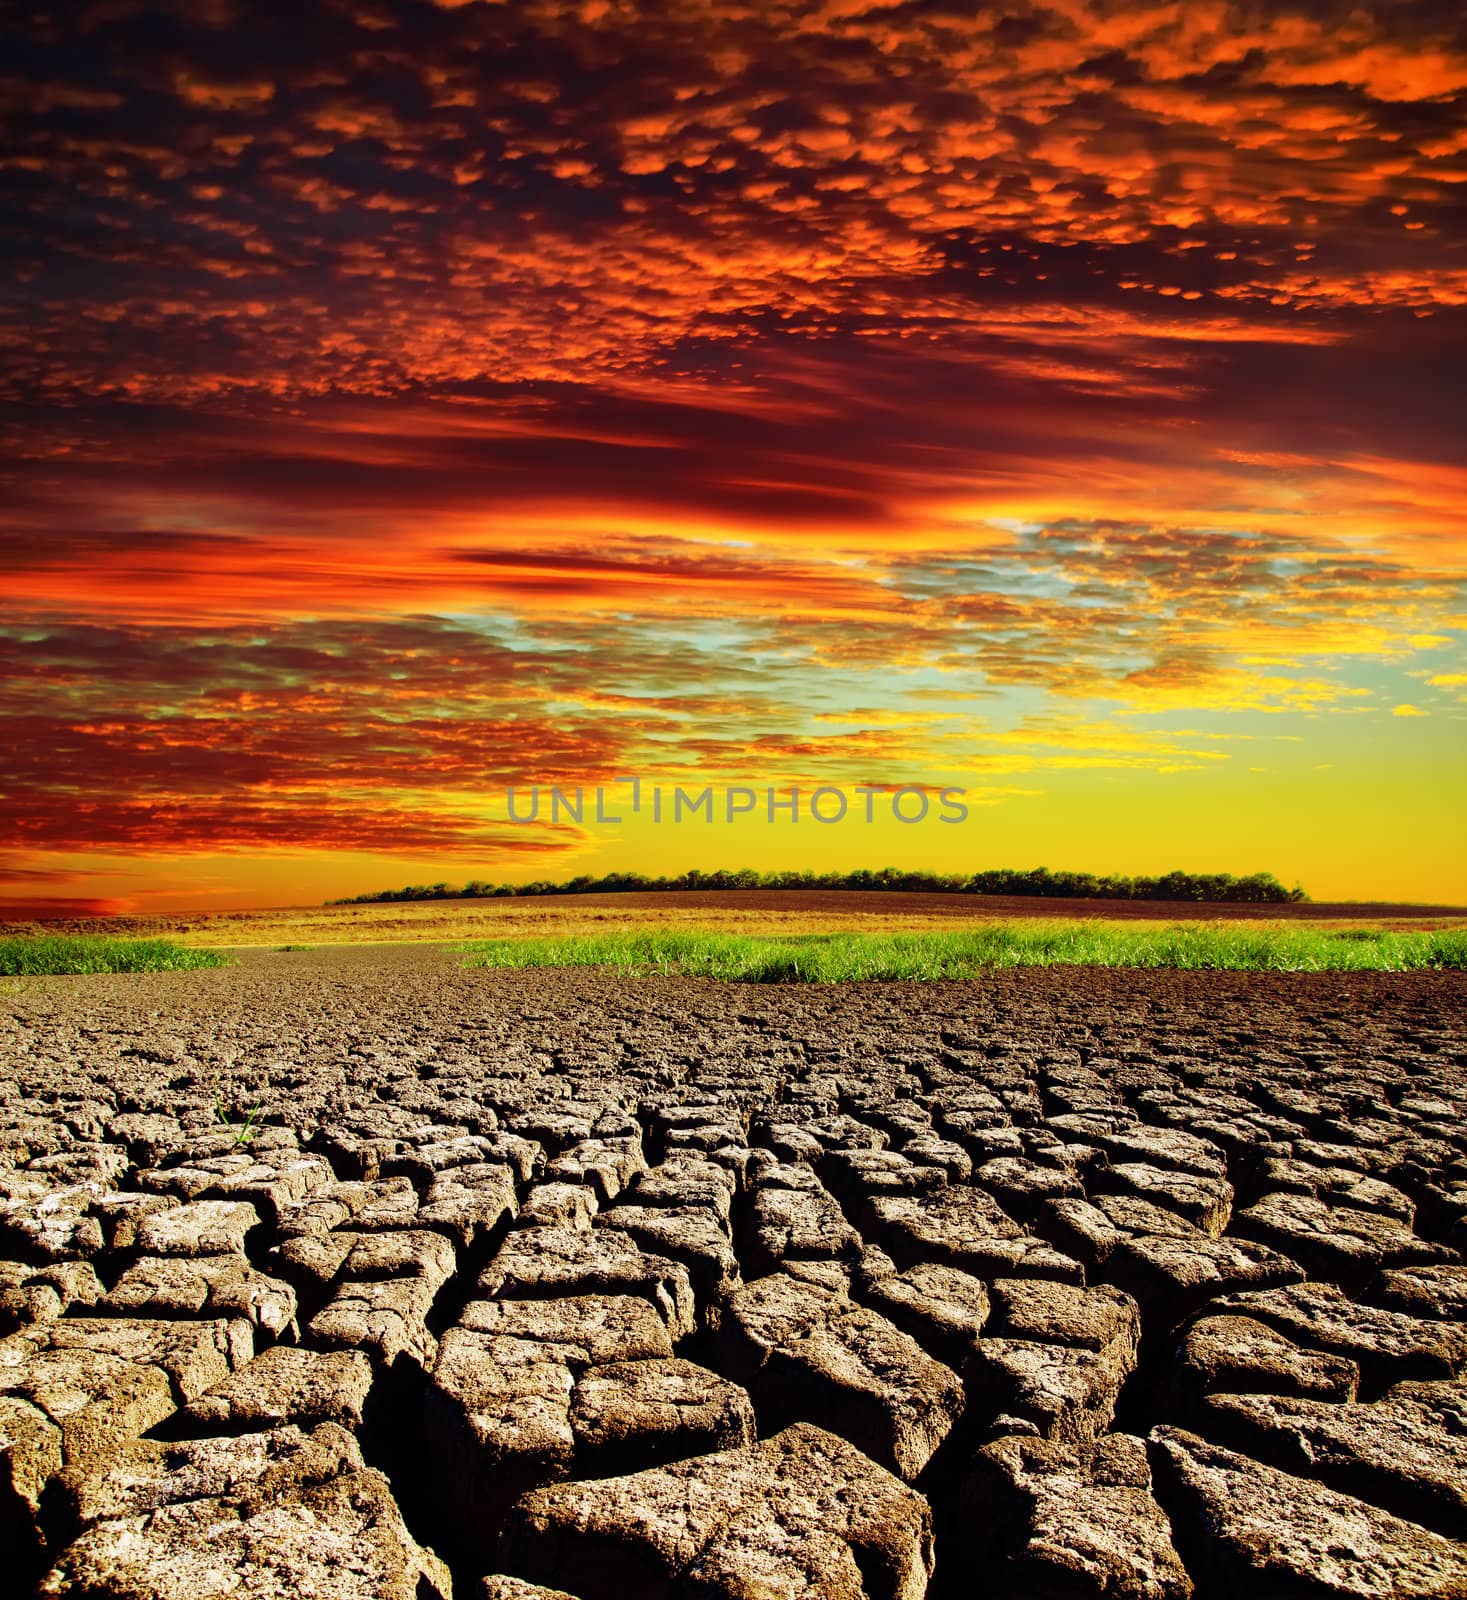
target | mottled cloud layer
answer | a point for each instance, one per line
(399, 399)
(373, 197)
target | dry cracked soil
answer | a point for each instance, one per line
(522, 1284)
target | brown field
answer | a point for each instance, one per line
(750, 911)
(360, 1274)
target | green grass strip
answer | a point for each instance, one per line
(847, 957)
(46, 954)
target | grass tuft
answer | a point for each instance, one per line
(46, 954)
(848, 957)
(242, 1127)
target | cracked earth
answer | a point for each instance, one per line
(1059, 1284)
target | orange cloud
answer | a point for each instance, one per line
(487, 391)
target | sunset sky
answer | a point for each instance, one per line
(402, 401)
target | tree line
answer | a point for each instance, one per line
(1040, 882)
